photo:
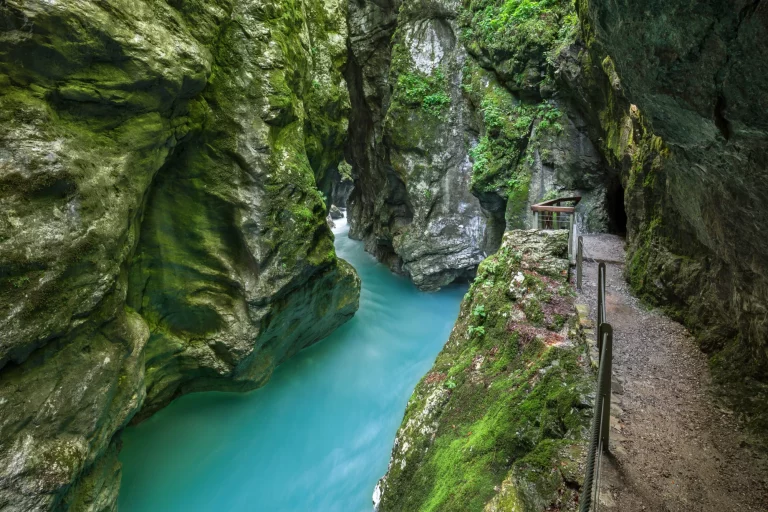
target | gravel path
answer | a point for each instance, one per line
(674, 447)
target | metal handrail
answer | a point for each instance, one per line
(601, 421)
(600, 304)
(553, 205)
(579, 262)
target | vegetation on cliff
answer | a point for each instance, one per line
(531, 142)
(161, 229)
(499, 420)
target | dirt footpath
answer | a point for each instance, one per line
(674, 447)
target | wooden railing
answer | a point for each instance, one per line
(553, 215)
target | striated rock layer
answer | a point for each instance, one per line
(499, 422)
(161, 230)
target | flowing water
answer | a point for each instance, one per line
(318, 436)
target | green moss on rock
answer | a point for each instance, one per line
(505, 401)
(161, 228)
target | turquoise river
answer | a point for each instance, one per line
(318, 436)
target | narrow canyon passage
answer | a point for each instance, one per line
(674, 447)
(318, 436)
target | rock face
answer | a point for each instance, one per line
(679, 110)
(160, 231)
(534, 142)
(336, 213)
(410, 130)
(457, 128)
(497, 423)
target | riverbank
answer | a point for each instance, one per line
(318, 435)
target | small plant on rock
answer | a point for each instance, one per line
(476, 330)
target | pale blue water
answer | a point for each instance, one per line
(318, 436)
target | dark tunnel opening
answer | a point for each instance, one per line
(617, 215)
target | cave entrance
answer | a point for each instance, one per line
(614, 205)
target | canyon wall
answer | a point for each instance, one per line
(678, 110)
(457, 128)
(161, 230)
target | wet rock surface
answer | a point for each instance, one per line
(336, 213)
(161, 230)
(412, 205)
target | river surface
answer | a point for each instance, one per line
(318, 436)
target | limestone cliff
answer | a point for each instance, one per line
(661, 133)
(161, 230)
(458, 126)
(498, 422)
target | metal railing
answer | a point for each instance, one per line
(601, 421)
(552, 215)
(579, 262)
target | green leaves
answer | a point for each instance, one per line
(473, 330)
(434, 103)
(427, 91)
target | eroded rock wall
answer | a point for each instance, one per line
(161, 230)
(458, 127)
(679, 109)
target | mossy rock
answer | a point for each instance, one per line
(500, 419)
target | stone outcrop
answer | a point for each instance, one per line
(498, 422)
(161, 230)
(411, 130)
(336, 213)
(534, 142)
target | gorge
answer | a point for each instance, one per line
(167, 167)
(328, 408)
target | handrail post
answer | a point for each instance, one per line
(605, 297)
(579, 262)
(600, 305)
(606, 358)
